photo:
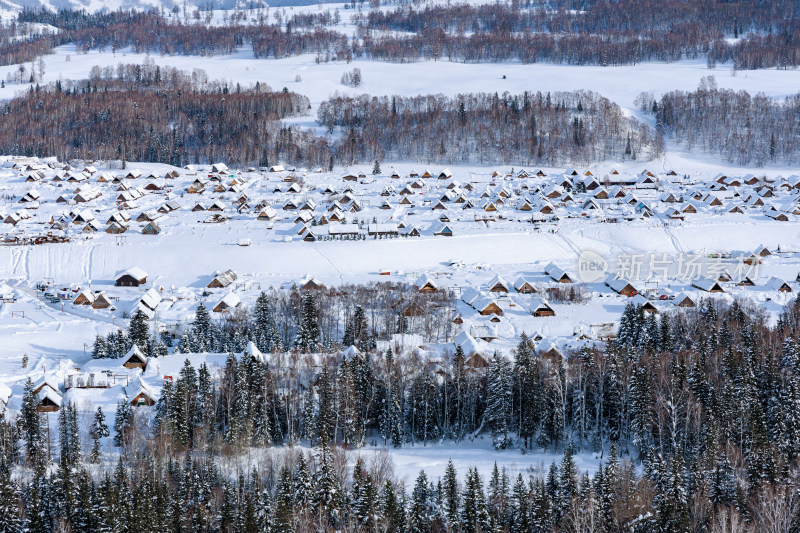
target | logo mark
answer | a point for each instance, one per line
(591, 266)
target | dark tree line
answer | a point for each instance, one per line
(744, 129)
(602, 33)
(532, 127)
(598, 33)
(149, 114)
(154, 114)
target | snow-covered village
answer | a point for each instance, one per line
(399, 267)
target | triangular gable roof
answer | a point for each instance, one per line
(134, 353)
(708, 285)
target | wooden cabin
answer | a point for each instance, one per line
(133, 277)
(142, 399)
(220, 281)
(540, 308)
(134, 358)
(101, 301)
(49, 401)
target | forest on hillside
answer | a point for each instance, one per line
(697, 413)
(744, 129)
(529, 128)
(154, 114)
(149, 113)
(765, 34)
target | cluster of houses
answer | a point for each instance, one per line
(314, 205)
(484, 306)
(99, 374)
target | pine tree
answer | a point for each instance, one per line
(450, 494)
(30, 425)
(499, 497)
(641, 408)
(723, 482)
(392, 509)
(37, 505)
(357, 332)
(474, 515)
(308, 333)
(364, 496)
(390, 418)
(205, 404)
(10, 519)
(282, 520)
(328, 495)
(326, 415)
(568, 481)
(99, 348)
(520, 509)
(303, 487)
(202, 330)
(376, 168)
(499, 400)
(420, 514)
(263, 322)
(69, 437)
(84, 519)
(123, 422)
(139, 330)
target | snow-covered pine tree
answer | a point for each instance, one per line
(83, 517)
(392, 509)
(520, 521)
(282, 519)
(99, 349)
(139, 330)
(308, 333)
(202, 329)
(421, 513)
(263, 322)
(499, 498)
(357, 332)
(390, 411)
(326, 415)
(364, 499)
(567, 482)
(499, 390)
(328, 494)
(10, 519)
(37, 505)
(303, 487)
(723, 482)
(69, 436)
(123, 422)
(97, 431)
(474, 515)
(31, 426)
(451, 496)
(205, 402)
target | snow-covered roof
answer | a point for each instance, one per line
(134, 350)
(467, 342)
(230, 300)
(151, 299)
(425, 279)
(50, 394)
(252, 350)
(134, 272)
